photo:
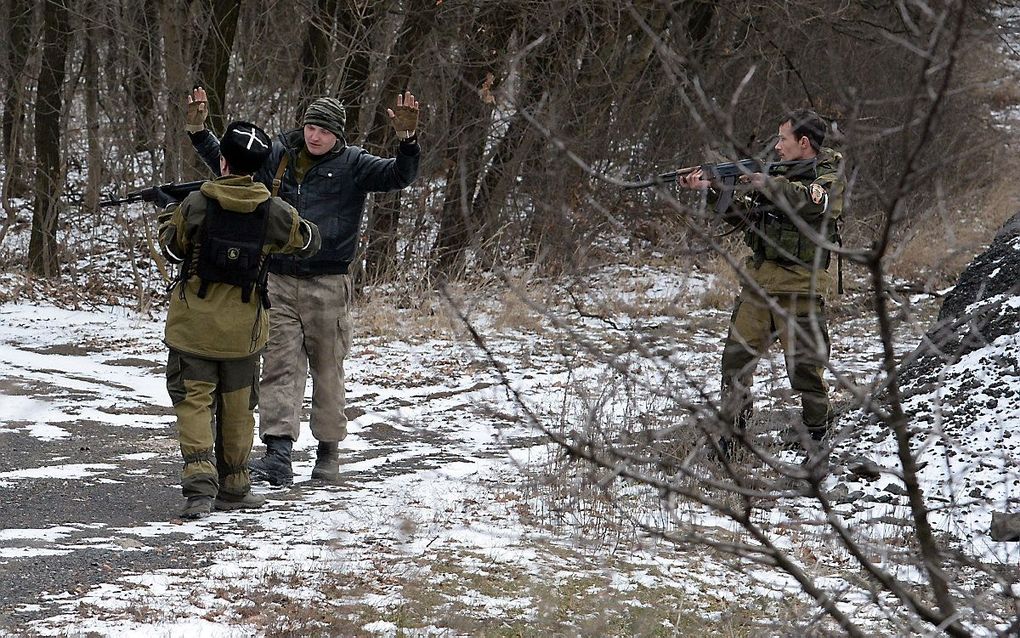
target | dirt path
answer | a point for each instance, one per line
(89, 489)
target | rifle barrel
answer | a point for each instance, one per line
(726, 170)
(177, 191)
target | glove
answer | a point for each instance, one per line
(198, 110)
(161, 198)
(404, 116)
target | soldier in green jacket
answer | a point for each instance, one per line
(790, 224)
(217, 324)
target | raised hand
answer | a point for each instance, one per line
(198, 110)
(404, 116)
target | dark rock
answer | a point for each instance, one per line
(839, 494)
(894, 520)
(1005, 527)
(896, 488)
(972, 314)
(864, 468)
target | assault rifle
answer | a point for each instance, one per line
(727, 172)
(177, 191)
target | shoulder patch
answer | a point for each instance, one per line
(817, 193)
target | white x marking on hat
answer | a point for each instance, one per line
(252, 137)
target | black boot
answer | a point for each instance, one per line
(327, 462)
(275, 465)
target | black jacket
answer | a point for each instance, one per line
(331, 195)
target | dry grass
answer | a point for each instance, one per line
(723, 287)
(399, 316)
(423, 313)
(940, 244)
(513, 311)
(468, 594)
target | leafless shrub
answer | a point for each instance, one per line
(644, 426)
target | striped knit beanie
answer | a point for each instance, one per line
(328, 113)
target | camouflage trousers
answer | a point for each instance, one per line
(310, 326)
(802, 331)
(215, 403)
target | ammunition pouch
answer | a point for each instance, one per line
(776, 239)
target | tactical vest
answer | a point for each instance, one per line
(230, 251)
(773, 237)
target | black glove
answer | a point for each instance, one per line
(161, 198)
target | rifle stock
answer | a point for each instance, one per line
(178, 191)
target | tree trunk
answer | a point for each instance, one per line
(316, 53)
(178, 72)
(19, 38)
(354, 20)
(472, 110)
(511, 153)
(214, 65)
(42, 249)
(380, 254)
(143, 70)
(94, 179)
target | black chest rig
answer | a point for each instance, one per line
(230, 251)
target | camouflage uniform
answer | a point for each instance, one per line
(792, 272)
(215, 340)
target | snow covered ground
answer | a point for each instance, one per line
(442, 523)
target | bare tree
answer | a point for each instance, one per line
(489, 31)
(144, 68)
(316, 53)
(354, 21)
(90, 69)
(18, 33)
(214, 61)
(381, 251)
(648, 424)
(173, 21)
(43, 258)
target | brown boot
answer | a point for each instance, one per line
(197, 507)
(233, 502)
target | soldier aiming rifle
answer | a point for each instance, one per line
(789, 222)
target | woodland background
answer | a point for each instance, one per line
(535, 116)
(534, 112)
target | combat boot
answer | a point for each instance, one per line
(275, 465)
(197, 507)
(327, 462)
(250, 501)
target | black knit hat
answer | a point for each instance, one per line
(328, 113)
(245, 147)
